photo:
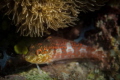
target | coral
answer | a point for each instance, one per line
(34, 75)
(14, 77)
(91, 5)
(109, 29)
(107, 36)
(95, 75)
(74, 71)
(106, 29)
(31, 74)
(34, 18)
(114, 3)
(68, 71)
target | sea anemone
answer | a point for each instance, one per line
(35, 17)
(114, 3)
(91, 5)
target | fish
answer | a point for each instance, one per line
(54, 49)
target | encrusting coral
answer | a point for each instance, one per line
(35, 17)
(106, 31)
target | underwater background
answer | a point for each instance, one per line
(34, 35)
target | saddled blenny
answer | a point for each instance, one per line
(54, 49)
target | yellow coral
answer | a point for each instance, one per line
(35, 17)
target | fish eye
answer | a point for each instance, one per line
(38, 51)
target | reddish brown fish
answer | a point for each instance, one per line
(54, 49)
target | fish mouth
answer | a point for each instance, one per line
(29, 57)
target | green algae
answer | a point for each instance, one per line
(95, 75)
(33, 74)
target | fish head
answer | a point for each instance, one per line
(39, 54)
